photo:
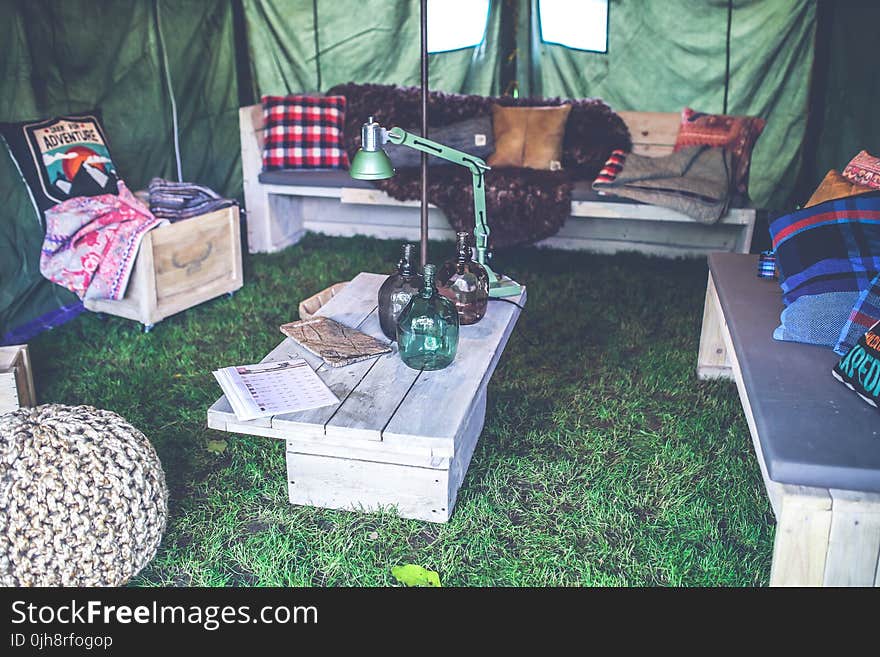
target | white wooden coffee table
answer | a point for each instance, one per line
(399, 437)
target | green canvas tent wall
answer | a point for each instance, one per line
(752, 57)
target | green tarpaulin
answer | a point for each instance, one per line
(72, 55)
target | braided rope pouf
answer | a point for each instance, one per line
(83, 500)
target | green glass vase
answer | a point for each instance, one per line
(427, 331)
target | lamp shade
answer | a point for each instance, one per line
(371, 165)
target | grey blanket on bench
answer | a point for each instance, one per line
(695, 181)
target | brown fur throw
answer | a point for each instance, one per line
(523, 205)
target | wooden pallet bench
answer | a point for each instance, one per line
(817, 443)
(283, 205)
(399, 437)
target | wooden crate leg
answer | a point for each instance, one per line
(712, 358)
(854, 544)
(802, 532)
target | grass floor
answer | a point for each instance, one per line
(603, 460)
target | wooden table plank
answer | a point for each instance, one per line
(382, 399)
(341, 380)
(352, 307)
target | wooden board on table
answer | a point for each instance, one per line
(454, 390)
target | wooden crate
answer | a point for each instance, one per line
(180, 266)
(16, 378)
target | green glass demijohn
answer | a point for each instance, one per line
(397, 290)
(427, 331)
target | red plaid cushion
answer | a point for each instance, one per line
(303, 132)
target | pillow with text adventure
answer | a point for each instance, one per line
(62, 157)
(859, 370)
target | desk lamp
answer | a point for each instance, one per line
(372, 163)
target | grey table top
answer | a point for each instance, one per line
(384, 405)
(813, 430)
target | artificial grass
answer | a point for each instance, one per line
(603, 460)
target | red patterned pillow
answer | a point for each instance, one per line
(737, 134)
(864, 169)
(303, 132)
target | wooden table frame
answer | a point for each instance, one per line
(824, 537)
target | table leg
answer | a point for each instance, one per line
(712, 360)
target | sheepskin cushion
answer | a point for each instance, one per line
(83, 500)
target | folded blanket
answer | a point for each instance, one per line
(176, 201)
(92, 242)
(695, 181)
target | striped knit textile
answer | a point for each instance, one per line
(864, 314)
(176, 201)
(612, 167)
(830, 247)
(767, 264)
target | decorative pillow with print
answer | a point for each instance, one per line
(859, 370)
(738, 134)
(864, 169)
(304, 132)
(62, 157)
(863, 315)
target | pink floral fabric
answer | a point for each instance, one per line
(92, 242)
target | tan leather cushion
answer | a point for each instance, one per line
(528, 136)
(833, 186)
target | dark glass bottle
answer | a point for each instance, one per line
(465, 283)
(427, 332)
(397, 290)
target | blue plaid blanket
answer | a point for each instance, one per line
(830, 247)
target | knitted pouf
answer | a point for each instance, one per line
(83, 500)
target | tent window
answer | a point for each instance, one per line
(456, 24)
(578, 24)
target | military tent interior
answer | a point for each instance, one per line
(603, 458)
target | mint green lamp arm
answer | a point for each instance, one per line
(476, 166)
(374, 136)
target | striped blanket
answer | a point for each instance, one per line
(176, 201)
(830, 247)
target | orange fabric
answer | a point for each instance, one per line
(834, 186)
(528, 137)
(738, 134)
(864, 169)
